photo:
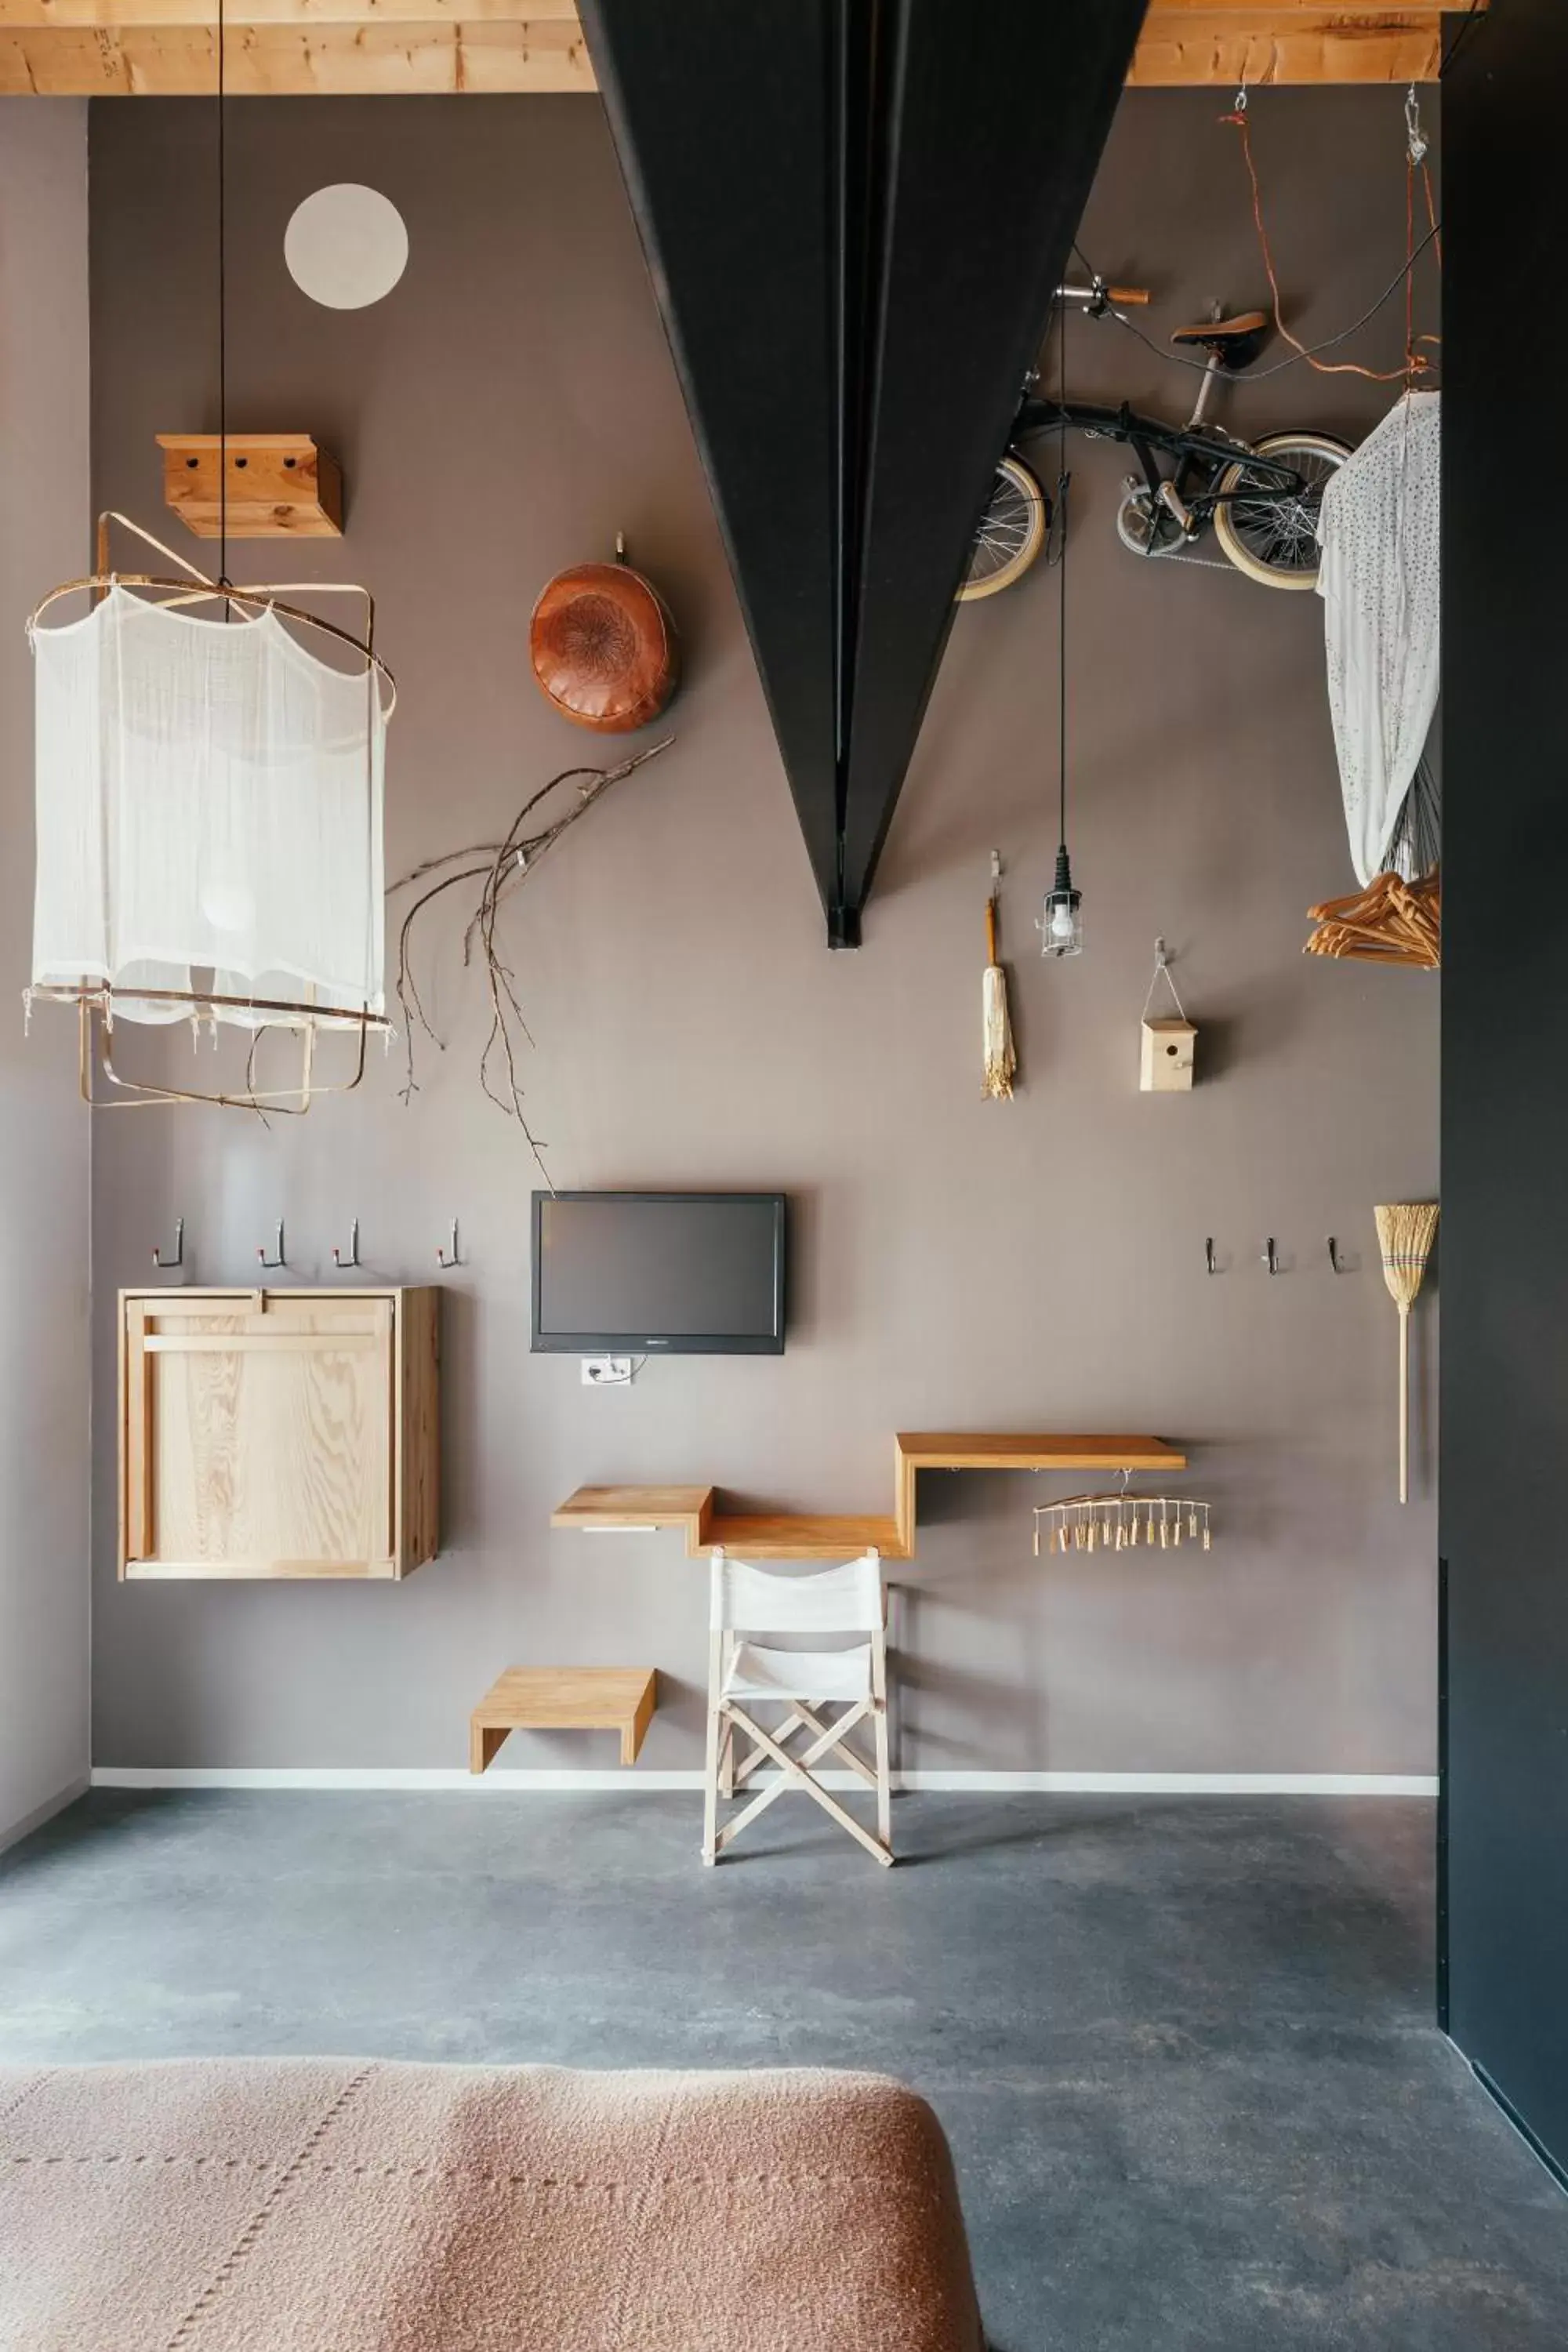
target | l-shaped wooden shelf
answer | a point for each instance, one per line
(781, 1535)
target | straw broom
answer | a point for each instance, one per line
(1405, 1232)
(1000, 1059)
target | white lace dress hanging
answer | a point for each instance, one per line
(1379, 580)
(209, 803)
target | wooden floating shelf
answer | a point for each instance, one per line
(793, 1536)
(563, 1698)
(280, 485)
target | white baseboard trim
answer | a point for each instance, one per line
(499, 1781)
(44, 1812)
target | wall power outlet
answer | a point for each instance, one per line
(607, 1371)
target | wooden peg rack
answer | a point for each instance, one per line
(280, 485)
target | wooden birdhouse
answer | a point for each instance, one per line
(1166, 1066)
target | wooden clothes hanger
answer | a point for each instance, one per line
(1391, 921)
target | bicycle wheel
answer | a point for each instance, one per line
(1272, 535)
(1012, 531)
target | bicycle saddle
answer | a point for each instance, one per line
(1235, 341)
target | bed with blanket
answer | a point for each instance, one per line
(330, 2205)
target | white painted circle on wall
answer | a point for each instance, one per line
(346, 245)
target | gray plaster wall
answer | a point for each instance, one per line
(957, 1263)
(44, 536)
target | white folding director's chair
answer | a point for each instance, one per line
(743, 1675)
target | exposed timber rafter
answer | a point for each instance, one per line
(167, 49)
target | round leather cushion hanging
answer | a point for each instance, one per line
(604, 647)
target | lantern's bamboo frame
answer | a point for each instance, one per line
(96, 1011)
(267, 596)
(95, 1000)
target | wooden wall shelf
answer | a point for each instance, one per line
(789, 1536)
(280, 485)
(563, 1698)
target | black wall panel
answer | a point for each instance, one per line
(1504, 1242)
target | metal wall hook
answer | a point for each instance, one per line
(168, 1263)
(1270, 1255)
(352, 1257)
(261, 1256)
(1208, 1255)
(1334, 1255)
(441, 1256)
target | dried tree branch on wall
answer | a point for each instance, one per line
(498, 867)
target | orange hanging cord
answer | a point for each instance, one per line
(1415, 361)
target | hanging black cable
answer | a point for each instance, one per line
(1062, 479)
(222, 321)
(1062, 932)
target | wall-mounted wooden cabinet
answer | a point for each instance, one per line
(278, 1433)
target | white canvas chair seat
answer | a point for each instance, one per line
(829, 1676)
(745, 1676)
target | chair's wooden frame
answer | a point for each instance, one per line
(727, 1774)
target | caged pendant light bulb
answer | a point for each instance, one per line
(1061, 923)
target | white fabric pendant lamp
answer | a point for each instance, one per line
(210, 767)
(209, 798)
(209, 795)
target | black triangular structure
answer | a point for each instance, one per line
(855, 212)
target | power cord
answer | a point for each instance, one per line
(1259, 376)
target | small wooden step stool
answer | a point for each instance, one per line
(563, 1698)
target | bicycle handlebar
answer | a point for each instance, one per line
(1098, 295)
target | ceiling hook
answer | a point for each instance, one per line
(1414, 137)
(279, 1259)
(167, 1263)
(352, 1257)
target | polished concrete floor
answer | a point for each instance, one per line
(1183, 2048)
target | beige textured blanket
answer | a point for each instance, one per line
(322, 2205)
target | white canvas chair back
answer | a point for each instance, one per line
(844, 1599)
(750, 1603)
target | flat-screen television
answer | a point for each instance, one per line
(682, 1273)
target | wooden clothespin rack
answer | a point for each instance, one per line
(1120, 1522)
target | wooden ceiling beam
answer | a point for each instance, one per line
(119, 16)
(324, 60)
(283, 48)
(1182, 45)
